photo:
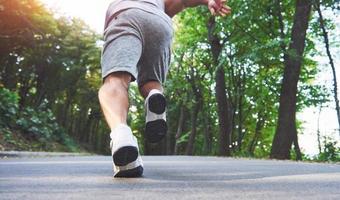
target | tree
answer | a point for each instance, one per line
(222, 90)
(331, 62)
(286, 132)
(221, 95)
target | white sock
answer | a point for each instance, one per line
(119, 128)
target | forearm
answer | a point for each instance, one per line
(172, 7)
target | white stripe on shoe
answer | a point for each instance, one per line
(134, 169)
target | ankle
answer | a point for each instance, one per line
(154, 91)
(149, 86)
(118, 125)
(120, 128)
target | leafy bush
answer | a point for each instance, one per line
(40, 124)
(331, 151)
(8, 107)
(37, 125)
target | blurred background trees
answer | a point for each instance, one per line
(53, 65)
(229, 87)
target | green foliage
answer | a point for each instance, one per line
(253, 46)
(330, 152)
(8, 107)
(38, 125)
(52, 66)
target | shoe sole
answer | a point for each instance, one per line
(125, 155)
(131, 173)
(156, 130)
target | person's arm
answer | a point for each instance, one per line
(216, 7)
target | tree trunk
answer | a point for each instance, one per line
(196, 89)
(207, 134)
(65, 113)
(318, 130)
(223, 116)
(297, 148)
(179, 129)
(191, 142)
(240, 88)
(155, 149)
(286, 131)
(40, 83)
(23, 91)
(259, 125)
(170, 140)
(221, 97)
(8, 74)
(331, 62)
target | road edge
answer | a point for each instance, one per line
(25, 154)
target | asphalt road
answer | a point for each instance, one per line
(169, 177)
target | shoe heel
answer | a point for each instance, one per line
(157, 103)
(125, 155)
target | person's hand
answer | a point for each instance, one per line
(218, 7)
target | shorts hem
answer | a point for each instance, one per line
(120, 69)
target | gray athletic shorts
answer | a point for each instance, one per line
(137, 42)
